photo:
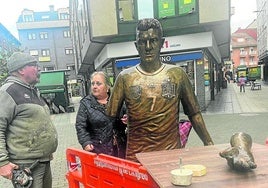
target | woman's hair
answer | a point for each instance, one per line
(106, 77)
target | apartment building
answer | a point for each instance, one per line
(47, 36)
(197, 38)
(262, 33)
(244, 48)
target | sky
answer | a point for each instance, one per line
(244, 13)
(11, 9)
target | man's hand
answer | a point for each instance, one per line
(6, 170)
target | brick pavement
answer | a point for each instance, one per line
(231, 100)
(231, 112)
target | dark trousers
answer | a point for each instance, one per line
(242, 87)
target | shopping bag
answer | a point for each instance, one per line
(185, 127)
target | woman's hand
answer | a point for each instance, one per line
(124, 119)
(89, 147)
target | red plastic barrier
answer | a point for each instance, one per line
(100, 171)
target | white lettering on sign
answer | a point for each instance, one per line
(121, 170)
(166, 58)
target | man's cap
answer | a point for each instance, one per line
(18, 60)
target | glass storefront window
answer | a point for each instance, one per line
(206, 72)
(186, 6)
(145, 9)
(130, 10)
(126, 10)
(166, 8)
(188, 67)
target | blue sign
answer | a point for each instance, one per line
(172, 58)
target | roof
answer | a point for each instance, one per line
(250, 31)
(244, 38)
(50, 15)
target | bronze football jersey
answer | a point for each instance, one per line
(152, 100)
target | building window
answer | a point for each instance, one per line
(68, 51)
(126, 10)
(67, 34)
(70, 67)
(240, 40)
(82, 13)
(50, 68)
(186, 6)
(46, 17)
(166, 8)
(252, 51)
(242, 61)
(243, 52)
(31, 36)
(33, 52)
(28, 18)
(64, 16)
(43, 35)
(251, 62)
(45, 52)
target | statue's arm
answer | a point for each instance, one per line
(200, 128)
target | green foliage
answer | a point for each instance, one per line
(3, 67)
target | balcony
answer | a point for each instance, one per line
(253, 53)
(243, 54)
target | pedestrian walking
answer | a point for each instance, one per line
(242, 82)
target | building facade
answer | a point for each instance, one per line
(244, 49)
(262, 33)
(46, 35)
(197, 37)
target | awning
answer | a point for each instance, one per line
(241, 67)
(51, 82)
(51, 91)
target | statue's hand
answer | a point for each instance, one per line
(238, 158)
(209, 143)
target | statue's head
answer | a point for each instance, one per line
(149, 23)
(149, 40)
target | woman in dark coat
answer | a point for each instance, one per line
(94, 128)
